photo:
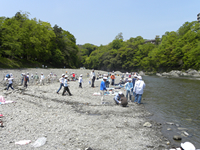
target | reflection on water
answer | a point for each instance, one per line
(174, 100)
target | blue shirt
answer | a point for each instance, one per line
(117, 97)
(129, 86)
(102, 86)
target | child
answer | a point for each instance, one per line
(102, 88)
(10, 82)
(66, 86)
(80, 81)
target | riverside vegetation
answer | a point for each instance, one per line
(35, 41)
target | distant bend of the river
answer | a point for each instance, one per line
(174, 100)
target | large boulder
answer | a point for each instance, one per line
(158, 74)
(165, 74)
(192, 71)
(141, 73)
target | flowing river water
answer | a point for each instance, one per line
(177, 101)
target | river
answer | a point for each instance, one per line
(174, 100)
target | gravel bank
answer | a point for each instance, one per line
(73, 122)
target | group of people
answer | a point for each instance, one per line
(25, 78)
(133, 86)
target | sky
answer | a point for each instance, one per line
(99, 21)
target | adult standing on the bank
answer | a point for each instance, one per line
(92, 76)
(139, 89)
(103, 88)
(133, 81)
(61, 82)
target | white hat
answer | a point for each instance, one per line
(129, 79)
(23, 73)
(41, 73)
(66, 76)
(139, 77)
(126, 72)
(63, 74)
(104, 78)
(135, 75)
(81, 75)
(187, 146)
(120, 92)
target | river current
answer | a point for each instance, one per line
(177, 101)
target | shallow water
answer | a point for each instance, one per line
(174, 100)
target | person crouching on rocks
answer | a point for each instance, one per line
(138, 90)
(120, 99)
(66, 88)
(80, 81)
(103, 88)
(61, 82)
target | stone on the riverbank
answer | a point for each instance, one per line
(89, 148)
(177, 137)
(169, 129)
(170, 123)
(182, 129)
(185, 133)
(158, 74)
(147, 124)
(141, 73)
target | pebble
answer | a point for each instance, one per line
(147, 124)
(177, 137)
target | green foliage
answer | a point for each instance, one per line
(175, 50)
(32, 39)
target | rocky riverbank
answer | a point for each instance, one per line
(75, 122)
(176, 73)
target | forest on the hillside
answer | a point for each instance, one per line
(174, 50)
(36, 40)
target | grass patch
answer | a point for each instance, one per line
(6, 63)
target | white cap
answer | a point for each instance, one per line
(63, 74)
(66, 76)
(135, 75)
(104, 78)
(120, 92)
(129, 79)
(188, 146)
(41, 73)
(126, 72)
(139, 77)
(23, 73)
(81, 75)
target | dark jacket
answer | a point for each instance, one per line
(124, 101)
